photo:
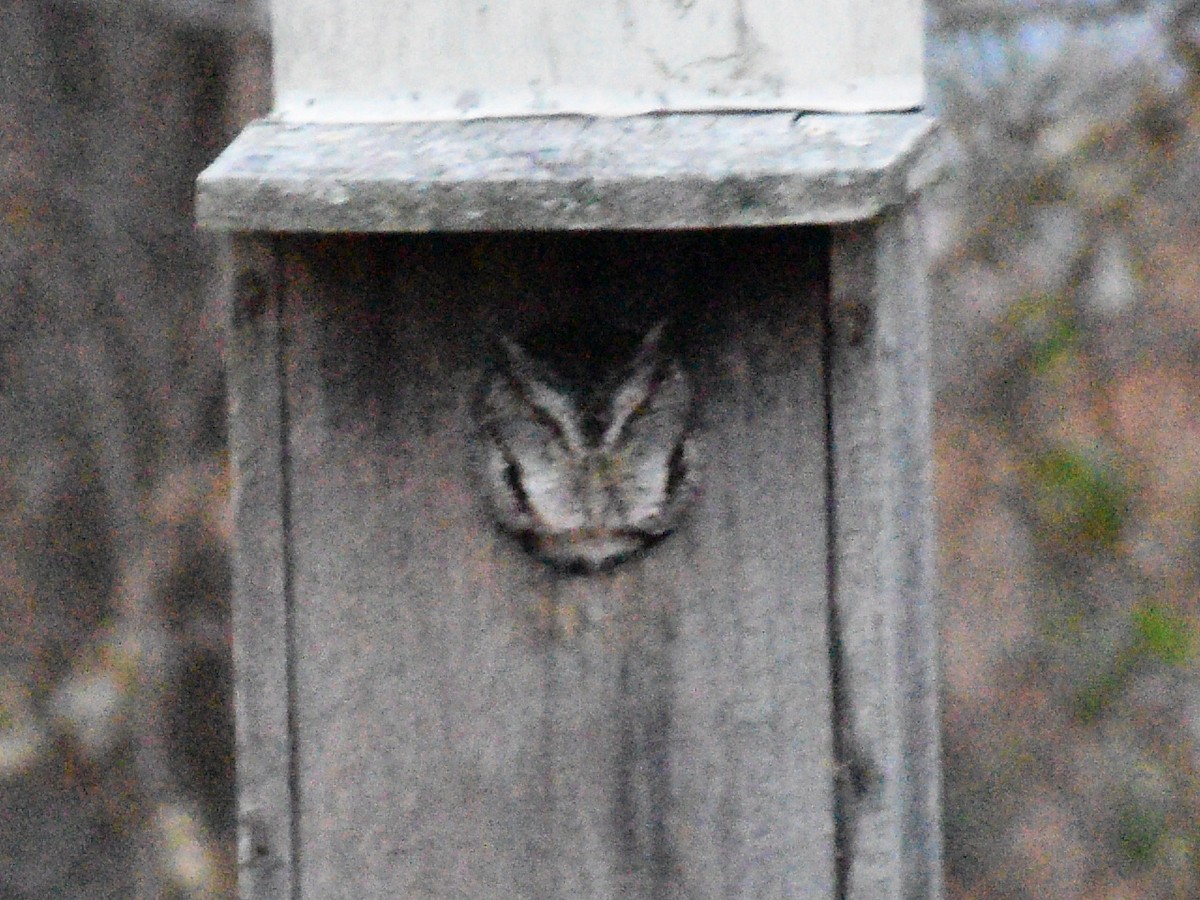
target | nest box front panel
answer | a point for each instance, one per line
(488, 707)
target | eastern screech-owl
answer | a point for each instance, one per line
(588, 459)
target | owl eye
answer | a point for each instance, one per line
(512, 478)
(677, 470)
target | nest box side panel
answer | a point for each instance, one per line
(883, 587)
(260, 610)
(471, 722)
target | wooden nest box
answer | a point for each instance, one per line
(579, 390)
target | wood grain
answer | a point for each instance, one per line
(568, 173)
(260, 574)
(882, 588)
(468, 722)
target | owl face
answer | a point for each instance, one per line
(590, 470)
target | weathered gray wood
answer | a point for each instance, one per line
(469, 723)
(576, 173)
(261, 644)
(883, 564)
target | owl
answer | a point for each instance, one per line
(590, 460)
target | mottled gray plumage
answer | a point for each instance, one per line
(589, 469)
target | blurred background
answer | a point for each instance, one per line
(1065, 252)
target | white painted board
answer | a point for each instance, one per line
(383, 60)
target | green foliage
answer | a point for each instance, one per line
(1048, 327)
(1159, 635)
(1078, 501)
(1164, 635)
(1059, 344)
(1051, 331)
(1100, 691)
(1141, 827)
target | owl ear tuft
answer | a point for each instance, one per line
(515, 360)
(652, 399)
(534, 396)
(647, 353)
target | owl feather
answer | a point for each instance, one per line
(588, 473)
